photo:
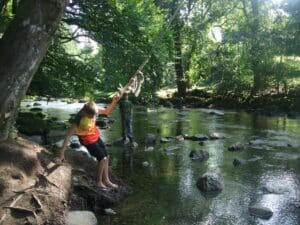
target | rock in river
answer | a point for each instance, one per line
(261, 212)
(199, 155)
(210, 183)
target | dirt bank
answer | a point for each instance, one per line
(35, 191)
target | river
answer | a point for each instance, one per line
(164, 191)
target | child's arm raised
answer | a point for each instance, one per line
(110, 107)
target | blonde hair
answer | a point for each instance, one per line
(90, 108)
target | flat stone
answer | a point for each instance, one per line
(81, 217)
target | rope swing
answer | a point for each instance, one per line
(135, 83)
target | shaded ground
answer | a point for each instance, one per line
(34, 190)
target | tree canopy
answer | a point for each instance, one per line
(239, 45)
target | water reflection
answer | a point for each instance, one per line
(164, 193)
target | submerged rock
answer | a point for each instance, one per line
(237, 162)
(236, 147)
(261, 212)
(216, 112)
(150, 139)
(149, 149)
(165, 139)
(216, 136)
(196, 137)
(210, 183)
(171, 148)
(199, 155)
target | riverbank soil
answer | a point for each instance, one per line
(33, 190)
(36, 191)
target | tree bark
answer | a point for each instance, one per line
(3, 4)
(22, 48)
(254, 51)
(180, 77)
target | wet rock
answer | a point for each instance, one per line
(35, 109)
(168, 104)
(37, 104)
(211, 183)
(102, 122)
(149, 149)
(201, 143)
(257, 142)
(166, 139)
(261, 212)
(36, 138)
(199, 155)
(109, 211)
(197, 137)
(182, 113)
(150, 139)
(236, 147)
(237, 162)
(179, 138)
(75, 145)
(31, 123)
(216, 136)
(146, 164)
(217, 113)
(171, 148)
(80, 218)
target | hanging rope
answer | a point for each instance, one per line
(135, 83)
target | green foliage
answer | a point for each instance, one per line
(6, 15)
(257, 37)
(62, 75)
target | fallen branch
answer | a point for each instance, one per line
(11, 205)
(37, 202)
(44, 181)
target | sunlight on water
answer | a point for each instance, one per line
(165, 192)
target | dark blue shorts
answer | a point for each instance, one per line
(97, 150)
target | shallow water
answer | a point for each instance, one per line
(165, 192)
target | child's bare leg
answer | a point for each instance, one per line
(100, 173)
(106, 179)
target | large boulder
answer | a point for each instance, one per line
(80, 218)
(210, 183)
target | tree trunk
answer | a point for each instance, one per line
(22, 48)
(254, 51)
(3, 4)
(180, 78)
(14, 6)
